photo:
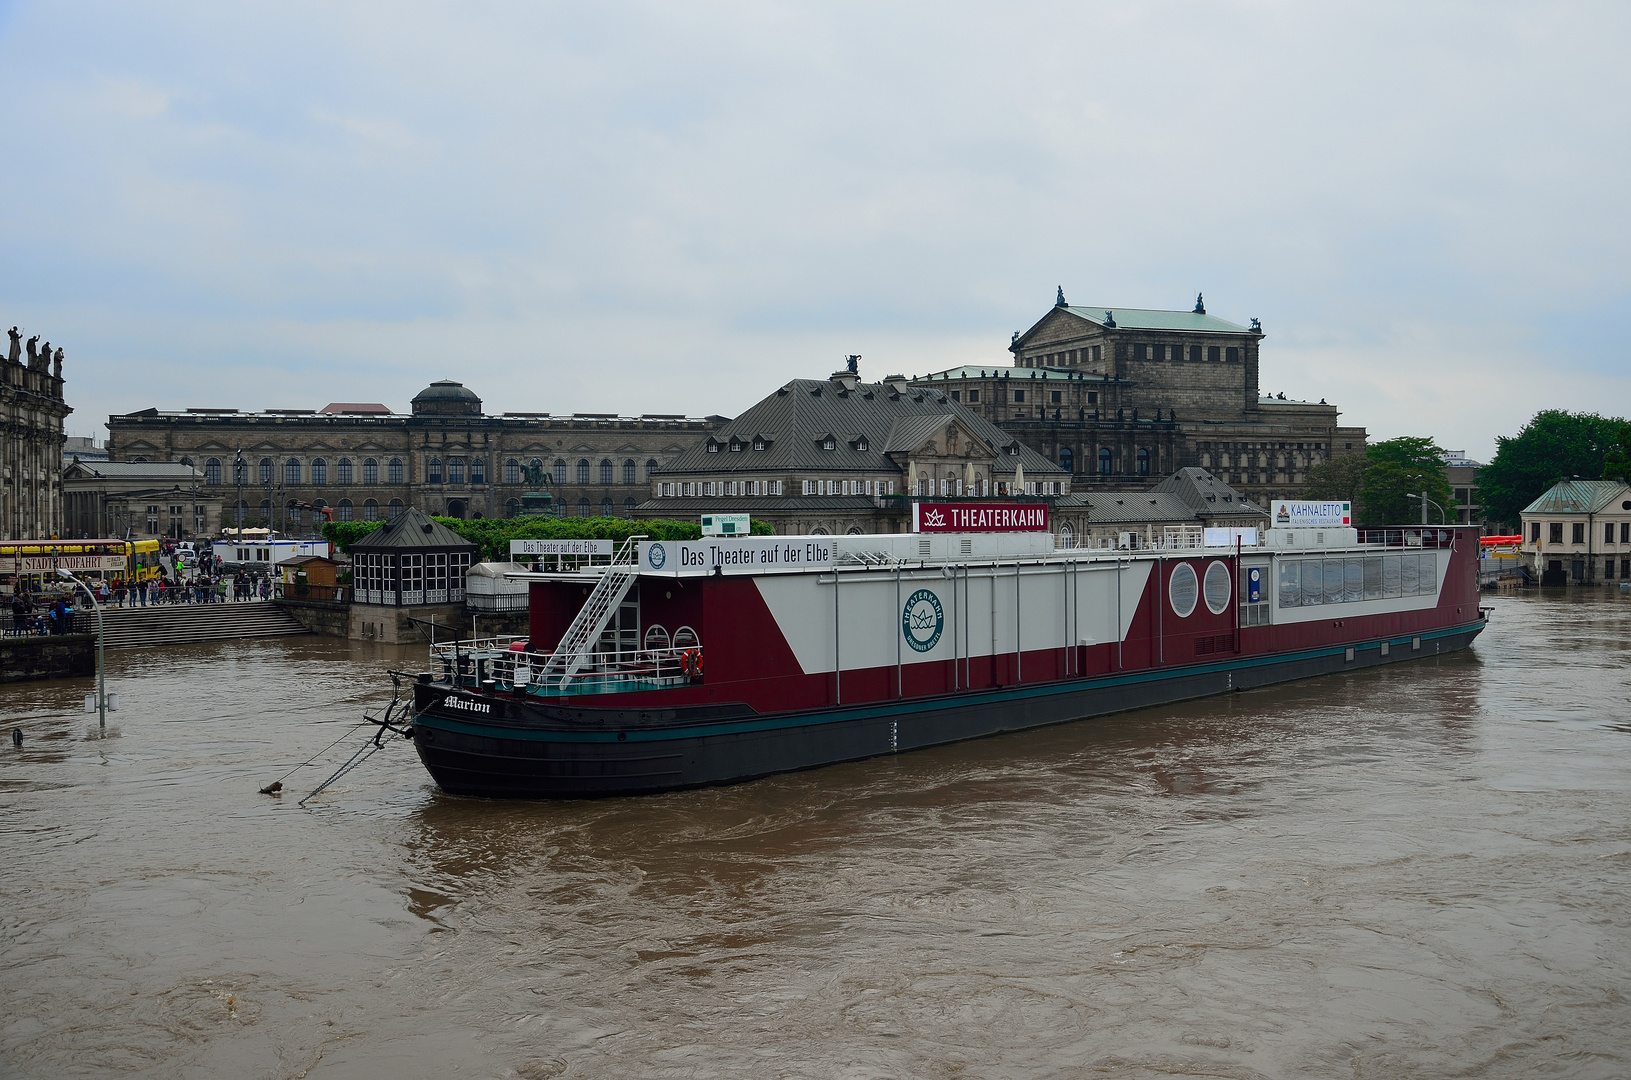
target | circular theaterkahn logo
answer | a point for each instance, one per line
(656, 556)
(922, 620)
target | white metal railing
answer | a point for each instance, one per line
(578, 643)
(473, 663)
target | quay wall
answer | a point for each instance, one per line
(56, 657)
(326, 618)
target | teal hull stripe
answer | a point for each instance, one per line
(897, 707)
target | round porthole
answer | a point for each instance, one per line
(1183, 590)
(1218, 588)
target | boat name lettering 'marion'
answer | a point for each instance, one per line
(664, 664)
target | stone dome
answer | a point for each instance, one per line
(446, 398)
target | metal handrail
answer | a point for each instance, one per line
(472, 663)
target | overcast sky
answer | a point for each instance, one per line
(677, 207)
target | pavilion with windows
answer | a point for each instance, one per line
(411, 569)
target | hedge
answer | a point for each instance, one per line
(493, 535)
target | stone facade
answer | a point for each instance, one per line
(32, 411)
(446, 457)
(1124, 397)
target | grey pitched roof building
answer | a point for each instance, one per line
(413, 530)
(843, 455)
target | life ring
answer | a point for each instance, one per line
(691, 663)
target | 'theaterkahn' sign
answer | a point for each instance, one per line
(979, 517)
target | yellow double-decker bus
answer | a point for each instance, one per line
(37, 561)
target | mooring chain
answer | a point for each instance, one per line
(393, 721)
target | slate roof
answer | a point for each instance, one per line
(135, 470)
(1205, 494)
(1581, 497)
(796, 417)
(413, 530)
(1137, 508)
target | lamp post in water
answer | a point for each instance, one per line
(101, 694)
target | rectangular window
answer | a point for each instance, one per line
(1058, 396)
(775, 487)
(1195, 354)
(1373, 578)
(1554, 532)
(957, 395)
(1392, 575)
(1608, 533)
(1578, 533)
(1092, 397)
(478, 470)
(455, 470)
(1291, 587)
(1019, 395)
(1233, 354)
(1625, 532)
(1212, 353)
(973, 397)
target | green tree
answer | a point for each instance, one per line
(1397, 469)
(1553, 446)
(1617, 461)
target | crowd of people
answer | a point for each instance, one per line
(41, 610)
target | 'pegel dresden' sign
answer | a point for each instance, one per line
(968, 517)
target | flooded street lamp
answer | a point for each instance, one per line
(101, 690)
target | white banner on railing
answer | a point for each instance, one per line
(560, 547)
(747, 555)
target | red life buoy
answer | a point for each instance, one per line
(691, 662)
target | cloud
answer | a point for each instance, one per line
(657, 207)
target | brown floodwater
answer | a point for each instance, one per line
(1421, 871)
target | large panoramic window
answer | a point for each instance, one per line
(605, 470)
(583, 470)
(370, 471)
(342, 471)
(628, 471)
(319, 471)
(455, 470)
(291, 471)
(560, 471)
(212, 471)
(394, 471)
(433, 471)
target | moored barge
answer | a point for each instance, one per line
(668, 664)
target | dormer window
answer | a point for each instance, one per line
(829, 443)
(862, 444)
(713, 447)
(1013, 451)
(758, 444)
(736, 446)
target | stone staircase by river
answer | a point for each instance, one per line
(179, 624)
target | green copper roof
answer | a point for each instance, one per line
(1581, 497)
(1147, 319)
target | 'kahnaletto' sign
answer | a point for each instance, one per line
(1307, 514)
(981, 517)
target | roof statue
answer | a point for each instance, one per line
(1014, 338)
(1200, 305)
(16, 353)
(34, 352)
(1110, 319)
(58, 360)
(853, 364)
(1257, 324)
(1060, 302)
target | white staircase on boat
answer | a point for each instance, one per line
(578, 643)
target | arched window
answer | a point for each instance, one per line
(605, 470)
(560, 471)
(393, 471)
(370, 472)
(478, 470)
(512, 507)
(1067, 537)
(266, 470)
(455, 470)
(433, 472)
(606, 508)
(583, 507)
(1143, 462)
(628, 507)
(1067, 460)
(512, 471)
(628, 471)
(342, 472)
(651, 468)
(818, 531)
(342, 512)
(396, 509)
(319, 471)
(212, 471)
(1104, 461)
(291, 471)
(583, 470)
(370, 510)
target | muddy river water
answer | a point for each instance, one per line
(1422, 871)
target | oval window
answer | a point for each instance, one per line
(1183, 590)
(1218, 588)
